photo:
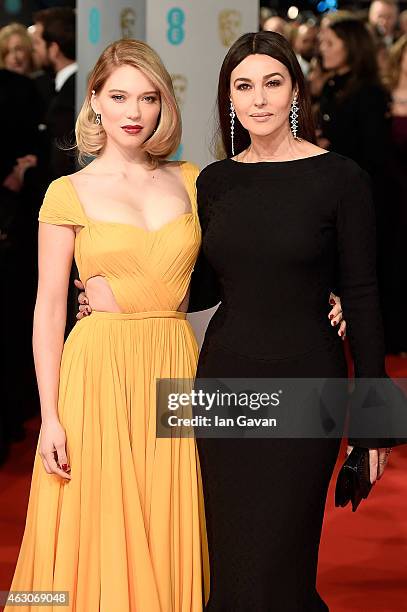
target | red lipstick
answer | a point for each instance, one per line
(132, 129)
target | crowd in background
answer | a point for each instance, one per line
(37, 106)
(356, 68)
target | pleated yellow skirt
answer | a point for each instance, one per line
(125, 534)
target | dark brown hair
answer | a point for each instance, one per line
(59, 25)
(276, 46)
(361, 54)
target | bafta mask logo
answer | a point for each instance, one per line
(230, 23)
(180, 83)
(128, 23)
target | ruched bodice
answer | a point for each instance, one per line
(127, 532)
(147, 270)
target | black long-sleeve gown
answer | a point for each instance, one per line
(277, 236)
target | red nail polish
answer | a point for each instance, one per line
(331, 316)
(335, 323)
(64, 466)
(332, 302)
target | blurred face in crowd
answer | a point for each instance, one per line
(305, 41)
(403, 21)
(129, 105)
(275, 24)
(40, 49)
(333, 51)
(261, 91)
(383, 16)
(403, 64)
(17, 56)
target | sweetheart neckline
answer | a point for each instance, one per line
(137, 227)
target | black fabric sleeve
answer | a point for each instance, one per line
(356, 242)
(204, 288)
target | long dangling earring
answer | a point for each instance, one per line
(294, 117)
(232, 125)
(98, 119)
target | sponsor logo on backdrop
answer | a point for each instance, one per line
(230, 26)
(128, 22)
(180, 83)
(94, 25)
(176, 26)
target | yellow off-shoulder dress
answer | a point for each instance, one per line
(126, 533)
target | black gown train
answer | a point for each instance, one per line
(277, 238)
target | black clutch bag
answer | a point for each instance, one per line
(353, 483)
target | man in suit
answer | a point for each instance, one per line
(54, 48)
(54, 45)
(19, 112)
(383, 16)
(19, 119)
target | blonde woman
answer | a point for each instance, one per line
(16, 52)
(113, 512)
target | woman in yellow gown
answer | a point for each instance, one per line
(114, 514)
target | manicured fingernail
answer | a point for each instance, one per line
(65, 467)
(331, 316)
(334, 322)
(332, 302)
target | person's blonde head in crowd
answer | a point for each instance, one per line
(16, 49)
(383, 15)
(277, 24)
(332, 16)
(403, 22)
(264, 14)
(165, 136)
(398, 63)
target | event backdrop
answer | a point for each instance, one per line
(100, 22)
(192, 37)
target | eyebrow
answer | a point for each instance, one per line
(264, 78)
(125, 92)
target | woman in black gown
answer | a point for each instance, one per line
(283, 222)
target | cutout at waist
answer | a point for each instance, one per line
(154, 314)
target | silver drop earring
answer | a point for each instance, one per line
(232, 126)
(294, 118)
(98, 118)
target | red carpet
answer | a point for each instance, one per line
(363, 556)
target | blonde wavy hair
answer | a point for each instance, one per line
(91, 137)
(6, 33)
(395, 57)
